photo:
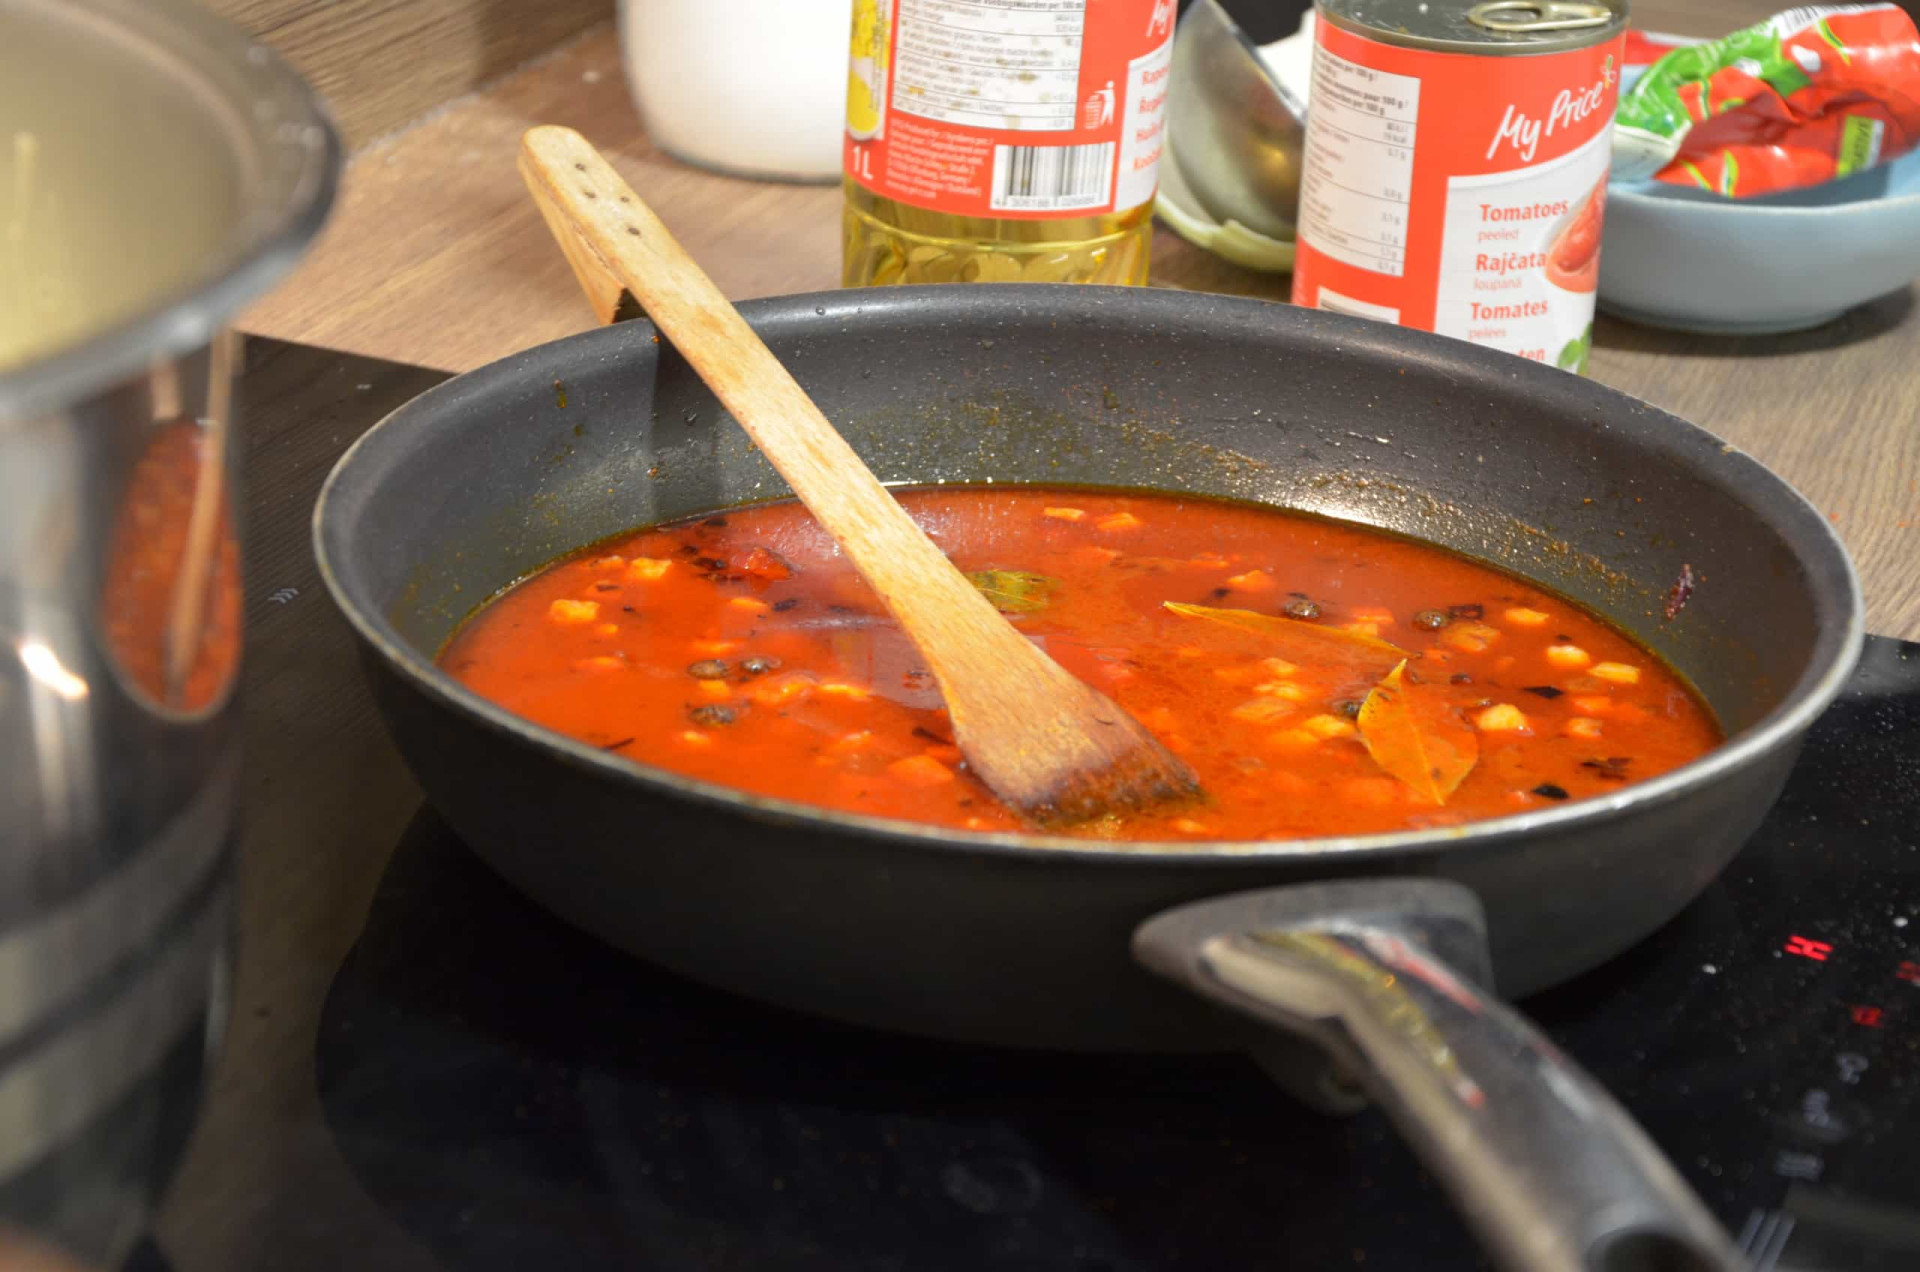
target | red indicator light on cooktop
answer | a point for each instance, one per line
(1868, 1016)
(1909, 972)
(1815, 950)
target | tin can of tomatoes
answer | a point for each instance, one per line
(1455, 171)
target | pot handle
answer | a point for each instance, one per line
(1385, 976)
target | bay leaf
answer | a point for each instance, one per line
(1297, 640)
(1415, 734)
(1015, 591)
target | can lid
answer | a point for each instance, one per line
(1489, 27)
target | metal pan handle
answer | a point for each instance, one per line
(1386, 977)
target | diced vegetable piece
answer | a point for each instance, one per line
(1284, 690)
(747, 605)
(1521, 616)
(1501, 717)
(1188, 826)
(782, 689)
(1120, 521)
(1373, 792)
(647, 569)
(1329, 726)
(713, 648)
(852, 742)
(841, 689)
(1065, 514)
(599, 664)
(1362, 628)
(578, 613)
(1261, 710)
(1252, 581)
(695, 738)
(920, 770)
(1278, 667)
(606, 629)
(1592, 704)
(1570, 657)
(766, 564)
(1583, 727)
(1470, 637)
(1293, 739)
(1615, 673)
(717, 690)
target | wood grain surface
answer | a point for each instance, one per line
(436, 256)
(384, 63)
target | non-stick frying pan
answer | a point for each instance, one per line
(1380, 949)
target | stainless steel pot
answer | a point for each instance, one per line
(157, 170)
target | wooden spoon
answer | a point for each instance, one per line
(1050, 747)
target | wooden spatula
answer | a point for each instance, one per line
(1051, 748)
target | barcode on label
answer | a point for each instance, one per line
(1334, 303)
(1806, 15)
(1052, 178)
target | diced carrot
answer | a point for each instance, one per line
(1261, 711)
(1329, 726)
(1501, 717)
(1569, 657)
(573, 612)
(781, 689)
(1615, 673)
(648, 569)
(841, 689)
(765, 564)
(747, 605)
(1583, 727)
(1252, 581)
(920, 770)
(600, 663)
(1521, 616)
(1065, 514)
(717, 690)
(1092, 557)
(713, 648)
(1120, 521)
(1593, 705)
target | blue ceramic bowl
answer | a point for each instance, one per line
(1687, 259)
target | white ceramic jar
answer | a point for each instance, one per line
(755, 88)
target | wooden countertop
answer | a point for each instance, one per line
(436, 257)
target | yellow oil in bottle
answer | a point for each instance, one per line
(887, 241)
(890, 240)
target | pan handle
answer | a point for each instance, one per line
(1385, 976)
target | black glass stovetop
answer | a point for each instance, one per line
(426, 1071)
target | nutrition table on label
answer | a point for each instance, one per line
(1006, 64)
(1354, 203)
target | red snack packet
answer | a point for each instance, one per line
(1809, 95)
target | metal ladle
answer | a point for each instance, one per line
(1234, 132)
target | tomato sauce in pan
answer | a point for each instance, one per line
(1320, 678)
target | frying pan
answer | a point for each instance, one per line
(1379, 950)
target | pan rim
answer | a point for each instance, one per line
(1812, 693)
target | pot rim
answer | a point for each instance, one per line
(283, 140)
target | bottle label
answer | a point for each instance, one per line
(1020, 109)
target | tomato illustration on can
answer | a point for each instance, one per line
(1455, 170)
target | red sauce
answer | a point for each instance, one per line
(743, 650)
(144, 561)
(1573, 262)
